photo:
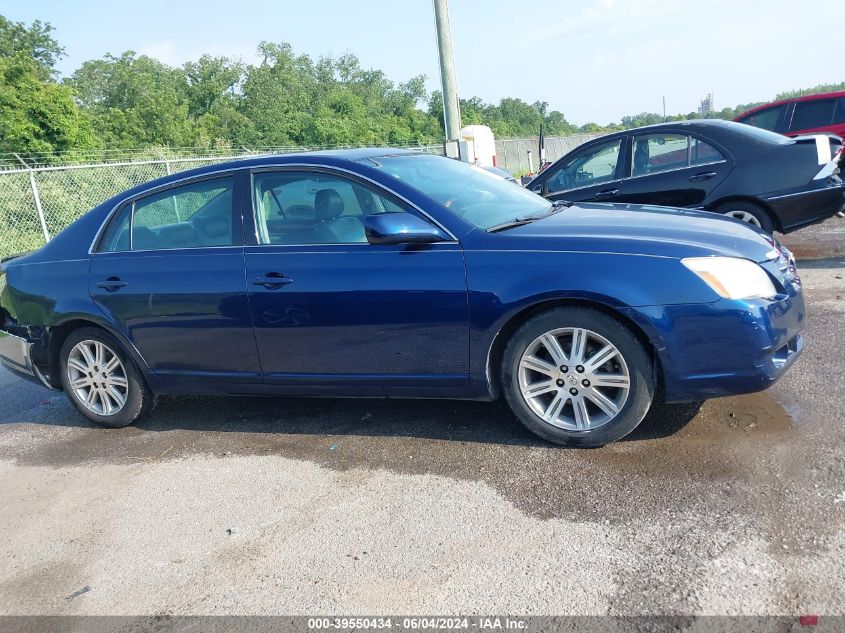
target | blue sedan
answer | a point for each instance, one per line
(386, 273)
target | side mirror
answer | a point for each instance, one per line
(401, 228)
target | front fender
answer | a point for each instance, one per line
(502, 285)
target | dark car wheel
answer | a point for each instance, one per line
(101, 379)
(577, 377)
(747, 212)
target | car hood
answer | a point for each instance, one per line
(643, 230)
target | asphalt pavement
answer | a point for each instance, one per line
(297, 506)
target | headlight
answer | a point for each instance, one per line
(732, 277)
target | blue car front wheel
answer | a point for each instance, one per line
(576, 376)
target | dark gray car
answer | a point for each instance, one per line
(766, 179)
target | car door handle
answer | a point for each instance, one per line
(705, 175)
(607, 193)
(111, 284)
(272, 280)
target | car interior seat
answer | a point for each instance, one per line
(641, 158)
(332, 227)
(144, 239)
(215, 231)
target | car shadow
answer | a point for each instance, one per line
(459, 421)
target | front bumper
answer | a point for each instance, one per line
(16, 356)
(727, 347)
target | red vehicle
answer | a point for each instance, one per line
(812, 114)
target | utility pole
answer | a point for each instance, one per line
(451, 106)
(664, 109)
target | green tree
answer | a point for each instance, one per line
(789, 94)
(33, 42)
(135, 101)
(36, 115)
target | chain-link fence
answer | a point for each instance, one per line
(37, 202)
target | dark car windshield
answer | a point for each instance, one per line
(479, 197)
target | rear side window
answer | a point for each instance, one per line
(195, 215)
(701, 153)
(654, 153)
(839, 115)
(812, 114)
(767, 118)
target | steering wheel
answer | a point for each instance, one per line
(568, 180)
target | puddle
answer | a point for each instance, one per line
(756, 414)
(672, 462)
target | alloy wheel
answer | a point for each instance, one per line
(574, 379)
(97, 377)
(745, 216)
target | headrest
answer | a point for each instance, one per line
(641, 155)
(143, 239)
(328, 204)
(213, 226)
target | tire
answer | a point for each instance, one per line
(565, 425)
(124, 380)
(747, 212)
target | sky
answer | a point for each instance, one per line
(594, 60)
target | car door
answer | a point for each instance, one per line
(589, 174)
(335, 313)
(169, 272)
(672, 169)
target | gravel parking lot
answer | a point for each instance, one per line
(271, 506)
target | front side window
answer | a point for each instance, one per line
(195, 215)
(812, 114)
(766, 119)
(593, 167)
(293, 207)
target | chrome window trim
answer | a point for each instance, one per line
(330, 169)
(165, 250)
(146, 192)
(668, 171)
(305, 247)
(806, 192)
(606, 182)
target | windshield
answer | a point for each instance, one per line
(479, 197)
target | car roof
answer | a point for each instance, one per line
(335, 157)
(770, 104)
(327, 157)
(685, 123)
(350, 154)
(715, 128)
